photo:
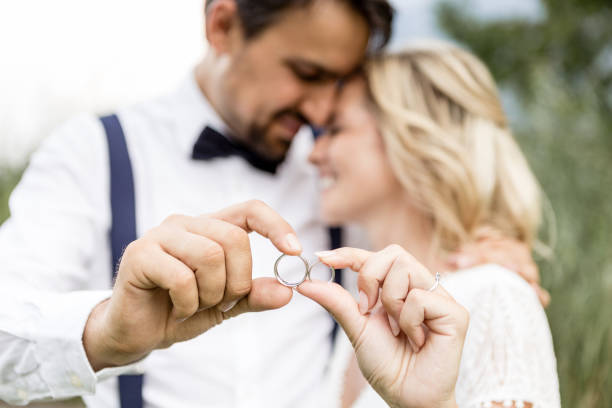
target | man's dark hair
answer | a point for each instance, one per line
(256, 15)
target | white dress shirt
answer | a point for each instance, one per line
(55, 266)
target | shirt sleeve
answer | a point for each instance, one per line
(54, 266)
(508, 355)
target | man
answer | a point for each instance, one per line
(272, 66)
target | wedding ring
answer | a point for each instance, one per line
(436, 283)
(285, 282)
(333, 271)
(307, 269)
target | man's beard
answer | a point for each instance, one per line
(257, 138)
(257, 141)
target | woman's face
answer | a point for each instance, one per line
(356, 177)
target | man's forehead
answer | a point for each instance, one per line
(333, 39)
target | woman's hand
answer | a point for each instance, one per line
(408, 341)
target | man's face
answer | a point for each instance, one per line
(288, 74)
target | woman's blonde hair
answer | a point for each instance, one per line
(450, 145)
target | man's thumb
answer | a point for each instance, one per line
(338, 302)
(265, 294)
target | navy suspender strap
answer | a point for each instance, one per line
(123, 229)
(335, 237)
(335, 241)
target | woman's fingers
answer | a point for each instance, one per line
(394, 291)
(346, 257)
(337, 301)
(436, 310)
(374, 269)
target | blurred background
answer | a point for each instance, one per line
(553, 60)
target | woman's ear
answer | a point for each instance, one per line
(222, 25)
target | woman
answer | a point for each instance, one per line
(420, 154)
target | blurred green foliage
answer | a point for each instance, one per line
(8, 179)
(558, 70)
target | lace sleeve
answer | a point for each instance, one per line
(508, 358)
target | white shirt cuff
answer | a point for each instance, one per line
(64, 364)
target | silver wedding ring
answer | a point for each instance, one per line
(436, 283)
(307, 269)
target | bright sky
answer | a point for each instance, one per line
(62, 57)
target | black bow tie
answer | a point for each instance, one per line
(212, 144)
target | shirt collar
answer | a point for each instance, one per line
(191, 112)
(194, 112)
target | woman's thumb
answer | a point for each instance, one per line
(337, 301)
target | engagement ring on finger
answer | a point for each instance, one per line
(436, 283)
(297, 281)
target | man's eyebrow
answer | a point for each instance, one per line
(319, 69)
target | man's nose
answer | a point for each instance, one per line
(318, 103)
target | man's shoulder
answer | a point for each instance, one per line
(157, 109)
(77, 135)
(172, 118)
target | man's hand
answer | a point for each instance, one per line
(492, 247)
(184, 277)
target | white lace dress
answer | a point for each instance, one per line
(508, 355)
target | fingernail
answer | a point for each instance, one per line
(227, 306)
(293, 243)
(324, 254)
(394, 326)
(363, 303)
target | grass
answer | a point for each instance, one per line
(569, 148)
(8, 180)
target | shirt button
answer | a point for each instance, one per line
(76, 381)
(22, 394)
